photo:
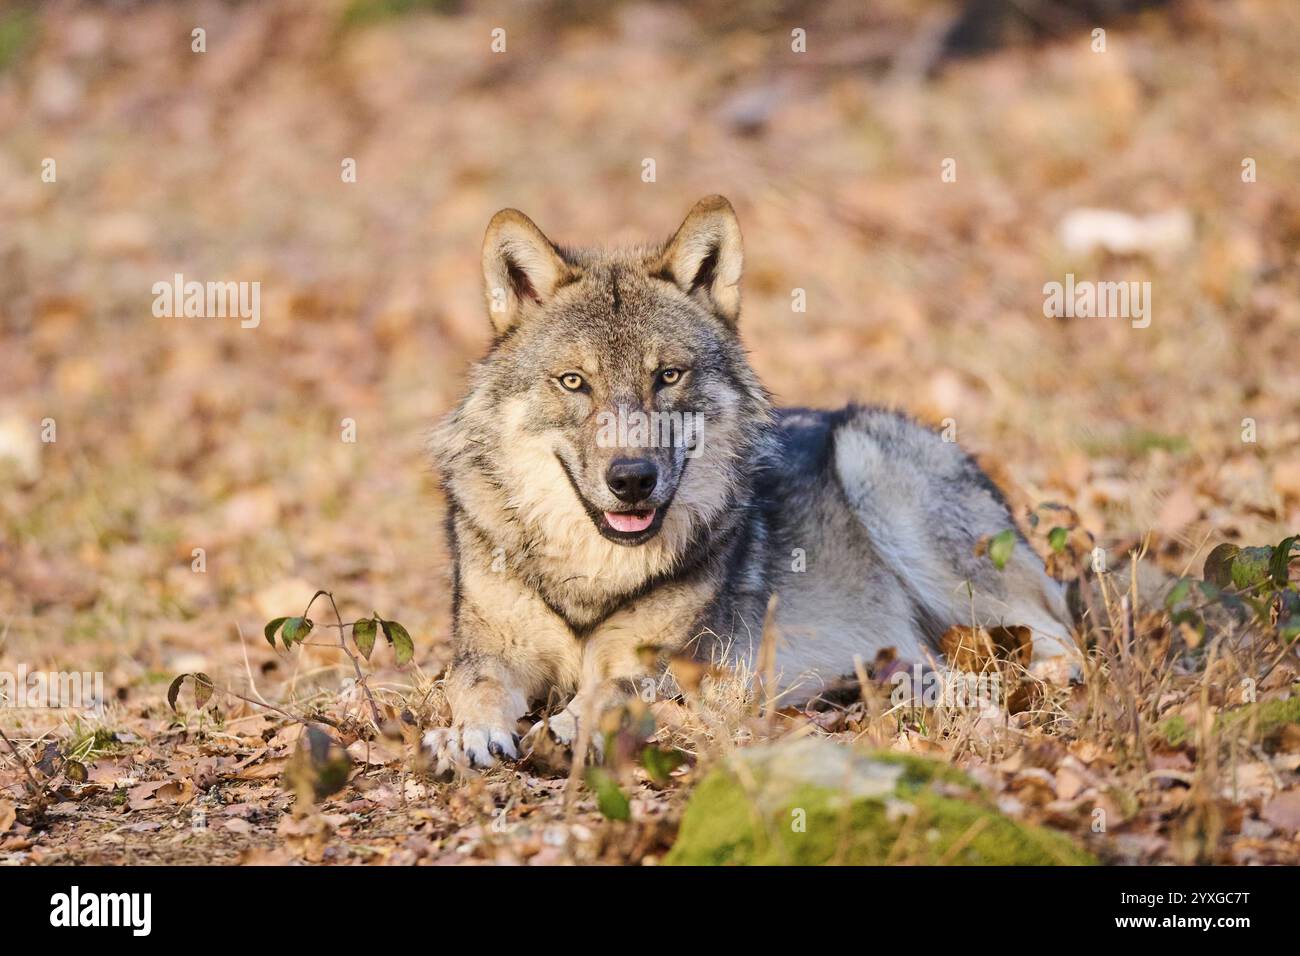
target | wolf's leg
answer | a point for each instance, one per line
(597, 693)
(509, 649)
(614, 657)
(589, 704)
(487, 700)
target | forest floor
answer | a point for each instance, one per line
(200, 482)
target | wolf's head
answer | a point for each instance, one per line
(616, 408)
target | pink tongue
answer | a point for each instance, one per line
(630, 522)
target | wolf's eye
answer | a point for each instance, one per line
(572, 381)
(670, 376)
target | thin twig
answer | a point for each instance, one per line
(39, 788)
(248, 670)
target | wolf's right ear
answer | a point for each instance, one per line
(704, 257)
(521, 268)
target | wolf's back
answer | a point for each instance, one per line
(895, 513)
(926, 504)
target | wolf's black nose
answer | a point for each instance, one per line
(632, 479)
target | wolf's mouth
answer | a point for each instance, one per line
(632, 527)
(630, 522)
(629, 527)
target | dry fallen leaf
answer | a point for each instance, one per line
(266, 770)
(1283, 811)
(1070, 782)
(375, 753)
(176, 792)
(263, 856)
(141, 796)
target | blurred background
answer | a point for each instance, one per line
(922, 289)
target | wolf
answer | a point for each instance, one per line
(587, 552)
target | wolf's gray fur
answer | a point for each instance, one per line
(566, 570)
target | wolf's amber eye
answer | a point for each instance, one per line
(572, 381)
(670, 376)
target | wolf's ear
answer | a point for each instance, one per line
(704, 257)
(521, 268)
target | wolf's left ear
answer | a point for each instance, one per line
(704, 257)
(521, 268)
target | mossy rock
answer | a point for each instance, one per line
(813, 802)
(1269, 718)
(1176, 731)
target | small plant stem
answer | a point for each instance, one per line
(356, 664)
(38, 787)
(305, 721)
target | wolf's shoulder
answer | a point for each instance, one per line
(800, 446)
(882, 440)
(807, 435)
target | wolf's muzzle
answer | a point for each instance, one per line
(632, 479)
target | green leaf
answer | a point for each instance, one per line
(1218, 565)
(612, 801)
(174, 690)
(295, 629)
(1279, 565)
(403, 646)
(363, 635)
(1057, 538)
(271, 628)
(1250, 568)
(660, 764)
(1178, 593)
(1000, 548)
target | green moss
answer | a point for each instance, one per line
(88, 743)
(1135, 443)
(1270, 716)
(362, 12)
(1175, 730)
(919, 771)
(933, 814)
(17, 34)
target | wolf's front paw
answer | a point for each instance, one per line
(477, 745)
(563, 728)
